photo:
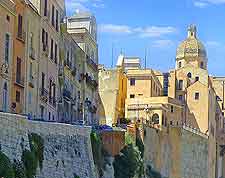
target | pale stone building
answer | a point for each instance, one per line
(32, 58)
(112, 95)
(83, 29)
(52, 12)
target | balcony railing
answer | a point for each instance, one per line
(32, 53)
(91, 81)
(92, 63)
(21, 35)
(20, 81)
(44, 94)
(67, 94)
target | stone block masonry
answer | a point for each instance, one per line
(67, 148)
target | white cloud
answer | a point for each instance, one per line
(110, 28)
(83, 5)
(162, 43)
(213, 43)
(205, 3)
(155, 31)
(150, 31)
(200, 4)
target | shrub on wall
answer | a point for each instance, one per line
(6, 168)
(99, 154)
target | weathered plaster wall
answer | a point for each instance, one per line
(67, 148)
(177, 153)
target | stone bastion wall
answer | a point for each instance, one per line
(67, 149)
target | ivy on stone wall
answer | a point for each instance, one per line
(30, 160)
(99, 154)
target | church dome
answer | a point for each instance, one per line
(191, 47)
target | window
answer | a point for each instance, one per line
(196, 78)
(180, 85)
(189, 75)
(5, 97)
(31, 72)
(50, 91)
(51, 54)
(197, 96)
(20, 26)
(57, 21)
(155, 118)
(56, 53)
(42, 112)
(17, 96)
(18, 70)
(45, 7)
(172, 109)
(132, 96)
(180, 97)
(7, 46)
(171, 122)
(8, 18)
(179, 64)
(53, 15)
(202, 65)
(42, 80)
(132, 82)
(49, 116)
(30, 97)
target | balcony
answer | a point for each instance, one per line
(91, 81)
(4, 70)
(45, 50)
(32, 53)
(73, 72)
(44, 94)
(68, 64)
(31, 81)
(67, 94)
(21, 36)
(92, 63)
(52, 101)
(20, 81)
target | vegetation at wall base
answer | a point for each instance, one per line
(99, 154)
(129, 162)
(6, 168)
(30, 160)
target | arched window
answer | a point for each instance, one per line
(189, 75)
(155, 118)
(5, 97)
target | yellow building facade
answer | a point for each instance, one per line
(185, 98)
(18, 66)
(7, 16)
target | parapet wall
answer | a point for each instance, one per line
(177, 153)
(67, 148)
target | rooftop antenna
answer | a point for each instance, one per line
(145, 58)
(112, 55)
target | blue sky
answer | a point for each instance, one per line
(158, 26)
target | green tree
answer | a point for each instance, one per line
(128, 163)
